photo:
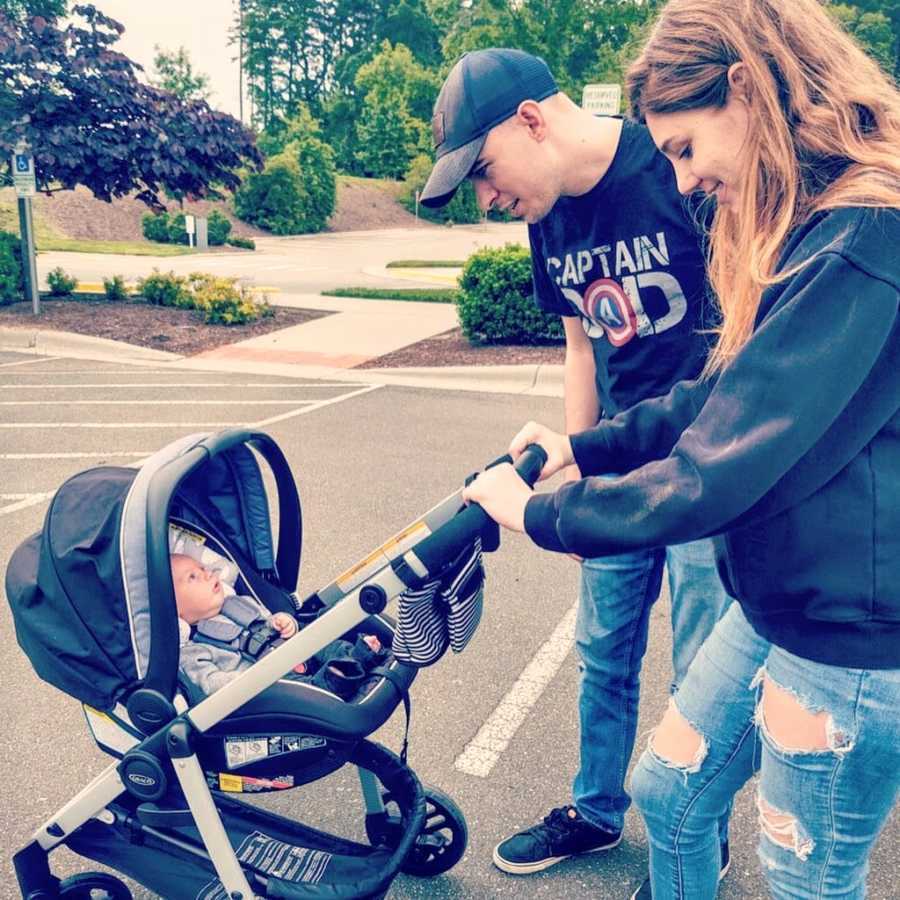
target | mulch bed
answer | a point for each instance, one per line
(181, 331)
(452, 349)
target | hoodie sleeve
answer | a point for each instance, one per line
(830, 326)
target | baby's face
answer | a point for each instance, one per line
(198, 592)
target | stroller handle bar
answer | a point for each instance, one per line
(434, 552)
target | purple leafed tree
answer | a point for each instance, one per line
(89, 120)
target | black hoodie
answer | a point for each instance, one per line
(792, 455)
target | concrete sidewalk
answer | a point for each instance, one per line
(325, 348)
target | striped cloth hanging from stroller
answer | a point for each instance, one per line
(441, 613)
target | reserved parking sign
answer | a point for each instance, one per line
(602, 99)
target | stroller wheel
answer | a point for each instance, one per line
(439, 845)
(93, 886)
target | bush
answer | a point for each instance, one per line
(241, 242)
(163, 289)
(294, 194)
(177, 234)
(12, 279)
(218, 227)
(156, 227)
(115, 289)
(316, 160)
(60, 284)
(223, 301)
(274, 199)
(462, 209)
(496, 303)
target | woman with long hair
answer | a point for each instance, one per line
(787, 448)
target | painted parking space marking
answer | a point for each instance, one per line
(299, 403)
(154, 402)
(28, 362)
(189, 384)
(105, 454)
(483, 752)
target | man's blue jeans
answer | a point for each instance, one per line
(617, 594)
(820, 810)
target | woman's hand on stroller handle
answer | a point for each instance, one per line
(557, 447)
(503, 490)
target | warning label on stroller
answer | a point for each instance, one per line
(250, 748)
(276, 859)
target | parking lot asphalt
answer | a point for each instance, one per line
(367, 460)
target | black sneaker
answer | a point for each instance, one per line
(562, 834)
(644, 892)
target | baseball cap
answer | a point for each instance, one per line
(482, 90)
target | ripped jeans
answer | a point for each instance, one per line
(821, 804)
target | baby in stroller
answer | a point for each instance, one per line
(223, 633)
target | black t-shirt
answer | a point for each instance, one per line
(627, 258)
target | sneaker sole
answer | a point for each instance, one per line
(512, 868)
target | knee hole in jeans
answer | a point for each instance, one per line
(782, 829)
(676, 744)
(791, 727)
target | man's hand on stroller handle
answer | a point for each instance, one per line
(557, 446)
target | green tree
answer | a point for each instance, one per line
(398, 96)
(175, 74)
(300, 125)
(20, 10)
(871, 29)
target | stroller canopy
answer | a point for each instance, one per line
(91, 593)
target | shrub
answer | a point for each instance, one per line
(462, 209)
(223, 301)
(218, 227)
(12, 279)
(60, 284)
(115, 289)
(274, 198)
(163, 289)
(177, 234)
(242, 242)
(316, 160)
(496, 303)
(156, 227)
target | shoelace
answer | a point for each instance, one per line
(559, 823)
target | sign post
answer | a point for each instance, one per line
(22, 164)
(602, 99)
(202, 229)
(190, 228)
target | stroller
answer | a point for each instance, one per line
(94, 607)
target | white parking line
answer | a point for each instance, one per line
(483, 751)
(188, 384)
(305, 407)
(155, 402)
(30, 500)
(318, 405)
(62, 425)
(29, 362)
(105, 454)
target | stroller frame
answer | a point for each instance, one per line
(169, 726)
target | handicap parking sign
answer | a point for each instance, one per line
(23, 173)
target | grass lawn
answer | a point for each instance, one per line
(426, 264)
(131, 248)
(421, 295)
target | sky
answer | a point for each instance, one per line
(201, 26)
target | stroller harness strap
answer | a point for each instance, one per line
(403, 691)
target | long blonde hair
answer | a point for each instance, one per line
(824, 130)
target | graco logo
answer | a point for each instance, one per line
(144, 780)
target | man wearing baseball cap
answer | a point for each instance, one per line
(617, 253)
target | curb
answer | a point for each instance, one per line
(535, 380)
(79, 346)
